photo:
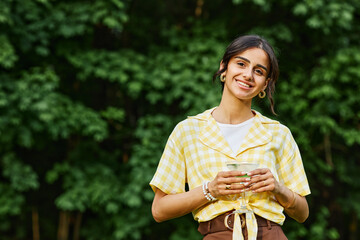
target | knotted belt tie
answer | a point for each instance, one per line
(251, 223)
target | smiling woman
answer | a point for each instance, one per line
(199, 148)
(245, 76)
(242, 45)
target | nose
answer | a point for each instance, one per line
(248, 74)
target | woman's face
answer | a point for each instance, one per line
(246, 74)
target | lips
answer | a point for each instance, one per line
(243, 84)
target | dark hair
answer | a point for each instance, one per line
(241, 44)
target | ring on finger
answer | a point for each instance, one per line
(228, 187)
(264, 183)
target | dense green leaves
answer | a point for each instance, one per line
(324, 15)
(7, 53)
(90, 91)
(21, 176)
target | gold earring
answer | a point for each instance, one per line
(262, 94)
(222, 78)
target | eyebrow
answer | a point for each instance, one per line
(247, 60)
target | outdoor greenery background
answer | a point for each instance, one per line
(90, 91)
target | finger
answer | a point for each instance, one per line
(232, 173)
(261, 177)
(261, 186)
(257, 185)
(236, 186)
(232, 192)
(234, 189)
(259, 171)
(258, 178)
(262, 183)
(262, 189)
(239, 183)
(230, 180)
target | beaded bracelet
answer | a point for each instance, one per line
(207, 193)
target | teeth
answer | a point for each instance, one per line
(244, 84)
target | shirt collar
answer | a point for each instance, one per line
(211, 136)
(258, 116)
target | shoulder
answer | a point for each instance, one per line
(192, 123)
(204, 116)
(273, 126)
(196, 120)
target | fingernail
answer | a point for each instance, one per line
(245, 184)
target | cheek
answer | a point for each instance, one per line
(263, 83)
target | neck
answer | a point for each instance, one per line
(233, 112)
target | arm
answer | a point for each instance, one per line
(295, 205)
(168, 206)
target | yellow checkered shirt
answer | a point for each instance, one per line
(196, 151)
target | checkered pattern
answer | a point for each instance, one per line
(196, 151)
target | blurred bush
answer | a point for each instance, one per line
(90, 91)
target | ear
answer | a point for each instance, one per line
(222, 66)
(266, 83)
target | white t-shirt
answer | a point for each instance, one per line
(235, 133)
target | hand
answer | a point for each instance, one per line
(262, 180)
(228, 183)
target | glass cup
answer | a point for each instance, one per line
(244, 167)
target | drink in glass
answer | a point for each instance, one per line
(244, 167)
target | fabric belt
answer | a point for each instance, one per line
(218, 223)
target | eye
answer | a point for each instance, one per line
(241, 64)
(259, 72)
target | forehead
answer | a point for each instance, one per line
(255, 56)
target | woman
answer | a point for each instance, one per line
(200, 146)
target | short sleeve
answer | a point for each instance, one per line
(290, 167)
(170, 176)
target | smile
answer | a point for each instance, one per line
(243, 84)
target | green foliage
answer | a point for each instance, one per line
(11, 202)
(7, 53)
(319, 231)
(90, 91)
(119, 67)
(324, 15)
(21, 176)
